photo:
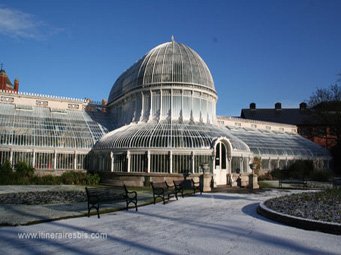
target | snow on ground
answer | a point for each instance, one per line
(212, 223)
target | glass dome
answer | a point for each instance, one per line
(169, 63)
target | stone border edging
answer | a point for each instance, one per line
(308, 224)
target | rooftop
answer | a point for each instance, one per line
(166, 64)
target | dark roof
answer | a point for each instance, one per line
(331, 106)
(287, 116)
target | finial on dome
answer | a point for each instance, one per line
(172, 38)
(2, 65)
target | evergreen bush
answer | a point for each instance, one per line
(92, 179)
(6, 168)
(24, 175)
(22, 169)
(72, 177)
(321, 175)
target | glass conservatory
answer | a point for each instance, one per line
(44, 137)
(160, 120)
(278, 149)
(164, 111)
(164, 147)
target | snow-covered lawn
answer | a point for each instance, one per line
(216, 223)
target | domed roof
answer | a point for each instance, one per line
(168, 136)
(170, 63)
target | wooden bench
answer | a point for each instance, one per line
(101, 195)
(181, 185)
(336, 182)
(304, 183)
(163, 190)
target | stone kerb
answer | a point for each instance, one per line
(308, 224)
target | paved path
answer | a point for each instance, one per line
(216, 223)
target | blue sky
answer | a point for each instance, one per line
(258, 51)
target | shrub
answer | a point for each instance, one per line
(6, 179)
(6, 173)
(80, 178)
(301, 169)
(46, 180)
(92, 179)
(276, 174)
(266, 177)
(321, 175)
(24, 175)
(22, 169)
(73, 177)
(6, 168)
(17, 179)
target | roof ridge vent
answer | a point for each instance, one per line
(253, 106)
(278, 106)
(303, 106)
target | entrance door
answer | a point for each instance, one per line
(220, 164)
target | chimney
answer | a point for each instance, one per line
(16, 85)
(303, 106)
(252, 106)
(104, 104)
(278, 106)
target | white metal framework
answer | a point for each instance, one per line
(164, 111)
(169, 82)
(46, 138)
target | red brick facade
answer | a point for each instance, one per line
(5, 83)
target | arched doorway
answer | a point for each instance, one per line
(222, 154)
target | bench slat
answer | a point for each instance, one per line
(162, 190)
(99, 195)
(181, 185)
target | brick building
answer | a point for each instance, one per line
(309, 122)
(6, 84)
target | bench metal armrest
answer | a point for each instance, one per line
(131, 194)
(169, 187)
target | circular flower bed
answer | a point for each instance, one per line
(322, 206)
(43, 197)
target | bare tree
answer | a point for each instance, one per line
(326, 104)
(324, 95)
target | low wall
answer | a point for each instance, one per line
(240, 180)
(41, 172)
(144, 179)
